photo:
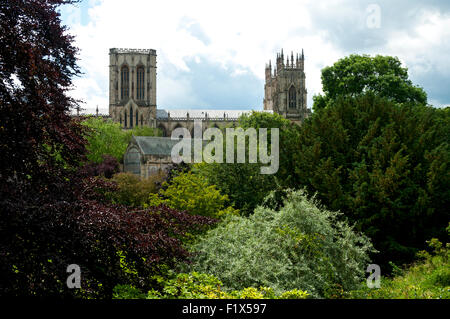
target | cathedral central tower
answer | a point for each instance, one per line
(132, 87)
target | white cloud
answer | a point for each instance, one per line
(242, 34)
(419, 47)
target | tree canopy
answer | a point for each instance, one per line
(104, 137)
(191, 192)
(299, 246)
(51, 214)
(384, 165)
(358, 74)
(243, 183)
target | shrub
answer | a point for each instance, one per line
(127, 292)
(201, 286)
(425, 279)
(301, 246)
(110, 243)
(172, 171)
(294, 294)
(191, 192)
(440, 277)
(243, 183)
(134, 190)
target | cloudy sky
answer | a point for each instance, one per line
(211, 54)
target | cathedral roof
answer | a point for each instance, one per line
(153, 145)
(212, 114)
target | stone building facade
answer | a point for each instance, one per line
(132, 102)
(285, 89)
(133, 98)
(148, 155)
(132, 94)
(132, 87)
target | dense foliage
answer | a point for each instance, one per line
(108, 138)
(372, 150)
(243, 183)
(192, 193)
(171, 172)
(384, 165)
(107, 168)
(53, 216)
(201, 286)
(300, 246)
(132, 190)
(428, 278)
(37, 62)
(359, 74)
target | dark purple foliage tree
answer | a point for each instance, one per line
(52, 216)
(107, 168)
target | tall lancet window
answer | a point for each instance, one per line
(124, 82)
(292, 98)
(125, 125)
(137, 119)
(131, 117)
(140, 93)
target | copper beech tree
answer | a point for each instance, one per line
(51, 215)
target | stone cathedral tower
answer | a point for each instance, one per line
(285, 90)
(132, 87)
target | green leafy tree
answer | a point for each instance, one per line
(300, 246)
(244, 184)
(356, 74)
(382, 164)
(144, 131)
(105, 137)
(192, 193)
(108, 138)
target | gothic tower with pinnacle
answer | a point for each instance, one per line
(285, 90)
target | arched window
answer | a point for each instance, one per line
(142, 120)
(125, 125)
(137, 119)
(140, 83)
(124, 83)
(292, 97)
(131, 117)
